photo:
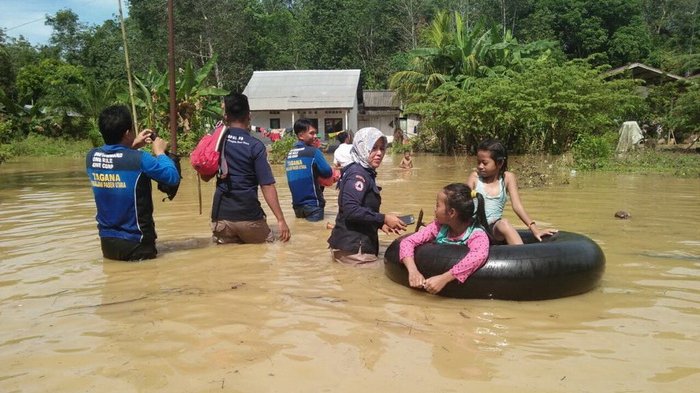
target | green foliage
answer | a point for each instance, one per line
(5, 152)
(456, 53)
(685, 116)
(68, 34)
(56, 89)
(197, 103)
(630, 43)
(433, 56)
(94, 134)
(280, 149)
(542, 109)
(7, 71)
(401, 148)
(675, 106)
(583, 28)
(42, 146)
(593, 151)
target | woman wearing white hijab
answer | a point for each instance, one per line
(354, 239)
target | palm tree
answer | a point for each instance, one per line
(458, 54)
(454, 53)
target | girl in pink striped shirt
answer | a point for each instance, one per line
(459, 219)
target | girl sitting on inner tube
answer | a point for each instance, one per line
(456, 222)
(496, 183)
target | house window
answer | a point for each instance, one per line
(274, 112)
(333, 125)
(274, 123)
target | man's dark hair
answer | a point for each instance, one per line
(114, 122)
(302, 125)
(236, 106)
(342, 137)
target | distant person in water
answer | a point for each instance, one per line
(493, 180)
(342, 156)
(121, 182)
(305, 165)
(407, 161)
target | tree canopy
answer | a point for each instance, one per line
(476, 52)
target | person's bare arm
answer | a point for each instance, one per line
(471, 181)
(519, 209)
(269, 192)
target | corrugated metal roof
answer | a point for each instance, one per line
(379, 99)
(643, 71)
(302, 89)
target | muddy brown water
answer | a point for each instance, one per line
(284, 318)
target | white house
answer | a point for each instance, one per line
(329, 98)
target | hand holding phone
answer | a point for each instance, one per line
(408, 219)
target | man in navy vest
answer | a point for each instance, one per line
(304, 165)
(121, 182)
(236, 213)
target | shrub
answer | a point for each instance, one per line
(281, 148)
(592, 152)
(5, 153)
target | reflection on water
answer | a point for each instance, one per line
(282, 317)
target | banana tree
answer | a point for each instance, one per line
(194, 97)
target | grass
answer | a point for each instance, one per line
(677, 162)
(42, 146)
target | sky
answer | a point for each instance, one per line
(26, 17)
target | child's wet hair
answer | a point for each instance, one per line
(498, 153)
(459, 197)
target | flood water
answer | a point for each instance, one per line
(284, 318)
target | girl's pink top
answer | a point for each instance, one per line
(478, 244)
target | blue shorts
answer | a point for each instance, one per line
(310, 213)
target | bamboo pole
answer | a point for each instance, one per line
(171, 77)
(128, 68)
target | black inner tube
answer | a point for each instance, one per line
(563, 265)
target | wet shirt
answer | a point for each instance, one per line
(236, 196)
(474, 238)
(121, 182)
(304, 164)
(342, 156)
(358, 218)
(493, 204)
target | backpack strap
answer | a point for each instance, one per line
(223, 165)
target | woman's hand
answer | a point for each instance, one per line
(393, 224)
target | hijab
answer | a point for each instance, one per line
(363, 143)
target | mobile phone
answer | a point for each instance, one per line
(407, 219)
(153, 135)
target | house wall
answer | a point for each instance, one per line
(287, 118)
(382, 122)
(412, 122)
(353, 117)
